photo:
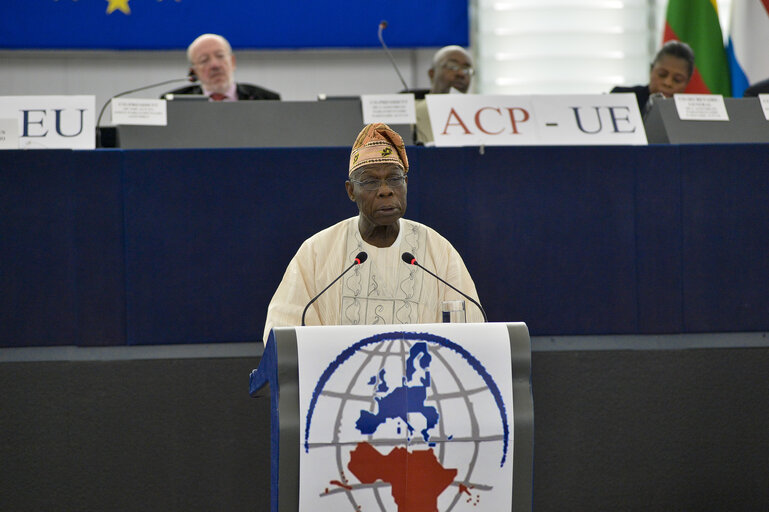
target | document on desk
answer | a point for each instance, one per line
(139, 111)
(388, 108)
(701, 107)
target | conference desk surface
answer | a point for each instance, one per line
(116, 247)
(253, 124)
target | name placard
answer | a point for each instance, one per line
(388, 108)
(52, 122)
(138, 111)
(475, 120)
(701, 107)
(9, 134)
(764, 99)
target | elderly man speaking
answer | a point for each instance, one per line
(384, 289)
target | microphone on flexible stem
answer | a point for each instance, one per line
(382, 26)
(191, 77)
(360, 258)
(411, 260)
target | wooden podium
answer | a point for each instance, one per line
(399, 417)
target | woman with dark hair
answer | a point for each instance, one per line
(669, 73)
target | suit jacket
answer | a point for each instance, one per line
(757, 88)
(641, 93)
(244, 91)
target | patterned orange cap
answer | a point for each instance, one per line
(378, 143)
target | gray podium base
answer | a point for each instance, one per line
(621, 423)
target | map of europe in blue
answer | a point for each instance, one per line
(404, 399)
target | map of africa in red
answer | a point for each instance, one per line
(416, 477)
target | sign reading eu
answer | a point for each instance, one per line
(476, 120)
(52, 122)
(405, 421)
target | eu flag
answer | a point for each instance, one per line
(173, 24)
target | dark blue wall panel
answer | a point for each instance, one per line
(61, 248)
(725, 229)
(186, 246)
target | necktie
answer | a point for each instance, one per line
(217, 96)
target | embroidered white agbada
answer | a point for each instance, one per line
(383, 290)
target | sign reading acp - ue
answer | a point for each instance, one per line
(51, 122)
(405, 421)
(476, 120)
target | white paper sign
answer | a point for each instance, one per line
(474, 120)
(138, 111)
(454, 438)
(764, 99)
(9, 134)
(388, 108)
(52, 122)
(701, 107)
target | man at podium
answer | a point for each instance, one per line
(383, 289)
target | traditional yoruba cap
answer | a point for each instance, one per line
(377, 143)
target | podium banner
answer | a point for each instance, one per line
(400, 418)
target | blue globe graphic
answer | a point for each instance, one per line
(406, 393)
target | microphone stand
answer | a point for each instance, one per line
(359, 259)
(382, 26)
(101, 112)
(411, 260)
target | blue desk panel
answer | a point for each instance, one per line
(114, 247)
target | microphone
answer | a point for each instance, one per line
(191, 77)
(411, 260)
(360, 258)
(382, 26)
(653, 98)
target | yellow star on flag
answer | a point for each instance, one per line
(121, 5)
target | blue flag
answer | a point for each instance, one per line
(173, 24)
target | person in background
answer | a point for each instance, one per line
(383, 289)
(669, 74)
(757, 88)
(212, 62)
(451, 71)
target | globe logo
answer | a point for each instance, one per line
(407, 421)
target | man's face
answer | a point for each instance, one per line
(454, 70)
(379, 194)
(213, 64)
(669, 75)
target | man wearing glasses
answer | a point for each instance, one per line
(383, 289)
(451, 72)
(212, 62)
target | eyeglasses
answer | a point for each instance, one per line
(468, 70)
(371, 184)
(208, 58)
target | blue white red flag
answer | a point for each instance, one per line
(748, 48)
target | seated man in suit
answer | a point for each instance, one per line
(383, 289)
(451, 71)
(212, 62)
